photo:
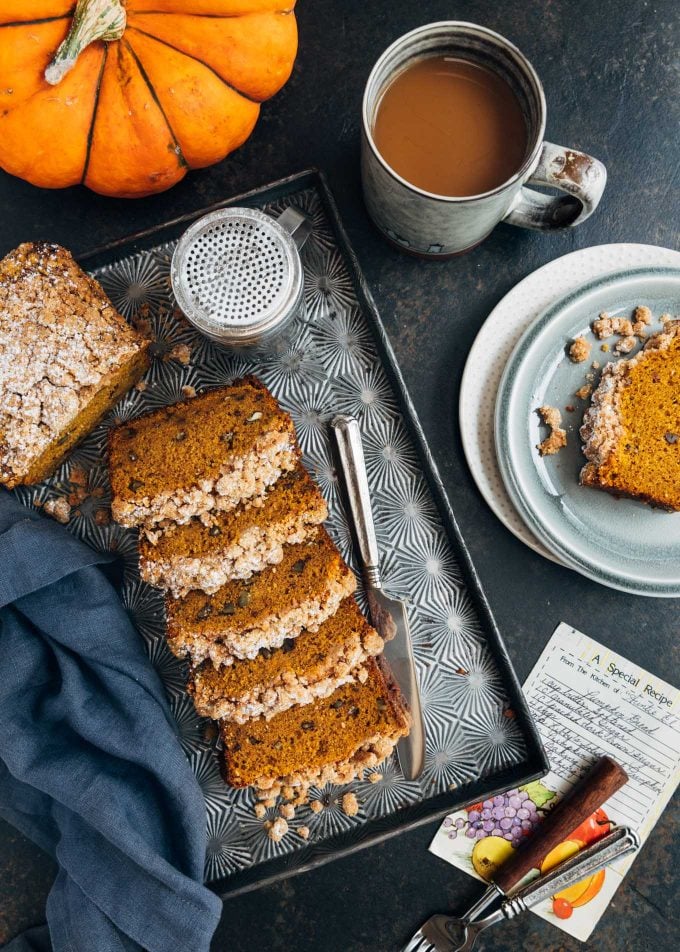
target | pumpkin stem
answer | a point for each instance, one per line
(92, 20)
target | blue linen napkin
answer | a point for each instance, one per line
(91, 768)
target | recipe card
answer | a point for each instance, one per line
(586, 701)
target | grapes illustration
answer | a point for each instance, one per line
(510, 816)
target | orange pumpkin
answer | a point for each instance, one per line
(125, 96)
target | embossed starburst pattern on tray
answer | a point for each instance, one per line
(328, 363)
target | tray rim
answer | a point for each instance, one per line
(535, 764)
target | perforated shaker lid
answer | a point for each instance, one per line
(236, 274)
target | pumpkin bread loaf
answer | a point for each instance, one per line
(210, 453)
(631, 432)
(66, 357)
(243, 617)
(236, 543)
(331, 740)
(313, 665)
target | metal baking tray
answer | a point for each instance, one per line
(480, 735)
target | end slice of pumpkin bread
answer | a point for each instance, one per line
(311, 666)
(66, 357)
(236, 543)
(631, 431)
(202, 455)
(331, 740)
(243, 617)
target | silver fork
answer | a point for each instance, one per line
(443, 933)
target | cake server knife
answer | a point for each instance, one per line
(388, 614)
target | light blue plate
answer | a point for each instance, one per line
(619, 542)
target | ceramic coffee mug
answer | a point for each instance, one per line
(438, 226)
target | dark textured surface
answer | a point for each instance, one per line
(612, 86)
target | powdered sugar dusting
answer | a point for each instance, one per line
(60, 338)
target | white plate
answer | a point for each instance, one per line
(494, 344)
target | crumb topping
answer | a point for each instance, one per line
(60, 340)
(625, 345)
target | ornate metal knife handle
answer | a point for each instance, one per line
(614, 845)
(348, 438)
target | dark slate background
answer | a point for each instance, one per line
(611, 78)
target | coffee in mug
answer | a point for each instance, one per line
(451, 127)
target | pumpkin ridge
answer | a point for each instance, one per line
(90, 131)
(197, 59)
(180, 156)
(16, 23)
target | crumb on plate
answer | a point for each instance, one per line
(557, 438)
(579, 350)
(606, 326)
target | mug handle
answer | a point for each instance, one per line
(581, 176)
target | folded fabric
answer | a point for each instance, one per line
(91, 768)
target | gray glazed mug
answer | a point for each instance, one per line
(439, 226)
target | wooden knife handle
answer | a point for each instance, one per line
(599, 784)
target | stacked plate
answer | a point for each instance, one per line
(519, 362)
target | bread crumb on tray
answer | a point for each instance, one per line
(350, 804)
(277, 830)
(59, 509)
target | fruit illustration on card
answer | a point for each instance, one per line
(564, 902)
(498, 825)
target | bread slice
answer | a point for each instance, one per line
(311, 666)
(234, 544)
(631, 431)
(209, 453)
(331, 740)
(243, 617)
(66, 357)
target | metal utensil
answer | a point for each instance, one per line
(451, 934)
(388, 614)
(237, 274)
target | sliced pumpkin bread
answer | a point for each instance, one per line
(631, 431)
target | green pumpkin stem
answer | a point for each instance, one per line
(92, 20)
